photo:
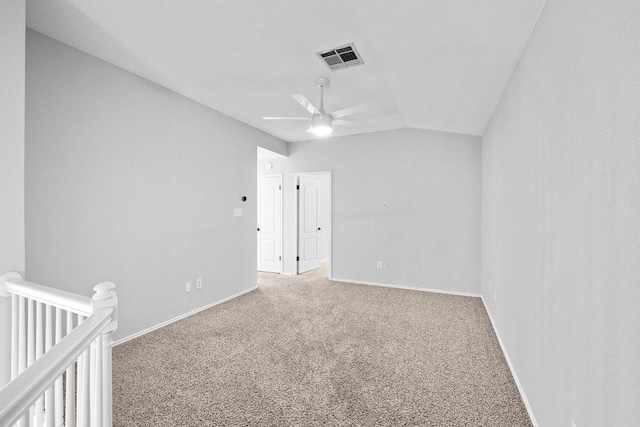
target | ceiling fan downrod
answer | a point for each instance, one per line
(322, 83)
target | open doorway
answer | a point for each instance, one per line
(280, 247)
(312, 221)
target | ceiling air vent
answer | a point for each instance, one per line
(341, 57)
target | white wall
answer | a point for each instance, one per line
(12, 69)
(130, 182)
(430, 231)
(561, 215)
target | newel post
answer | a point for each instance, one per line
(15, 320)
(104, 297)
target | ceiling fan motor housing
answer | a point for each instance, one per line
(321, 120)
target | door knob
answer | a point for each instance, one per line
(258, 228)
(319, 228)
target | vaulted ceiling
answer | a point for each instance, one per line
(437, 64)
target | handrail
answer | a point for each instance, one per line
(32, 383)
(57, 297)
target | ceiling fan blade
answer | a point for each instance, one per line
(353, 110)
(285, 118)
(300, 99)
(346, 123)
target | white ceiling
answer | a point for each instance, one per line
(438, 65)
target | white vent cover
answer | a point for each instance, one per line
(341, 57)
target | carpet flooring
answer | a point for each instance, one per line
(304, 351)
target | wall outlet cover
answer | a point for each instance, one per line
(379, 265)
(237, 212)
(188, 287)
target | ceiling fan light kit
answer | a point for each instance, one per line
(321, 125)
(321, 122)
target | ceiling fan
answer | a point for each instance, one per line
(321, 122)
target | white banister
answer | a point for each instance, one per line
(43, 348)
(51, 296)
(20, 393)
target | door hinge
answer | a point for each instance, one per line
(297, 187)
(279, 187)
(297, 258)
(279, 258)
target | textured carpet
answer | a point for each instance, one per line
(305, 351)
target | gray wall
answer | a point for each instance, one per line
(129, 182)
(561, 215)
(430, 230)
(12, 45)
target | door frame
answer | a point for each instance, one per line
(281, 176)
(329, 236)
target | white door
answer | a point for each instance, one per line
(270, 224)
(308, 190)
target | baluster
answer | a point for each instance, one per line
(70, 405)
(107, 397)
(39, 342)
(58, 396)
(22, 335)
(22, 351)
(83, 385)
(15, 340)
(31, 340)
(96, 386)
(80, 381)
(31, 343)
(48, 395)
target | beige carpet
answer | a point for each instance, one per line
(303, 351)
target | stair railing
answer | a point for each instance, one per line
(60, 355)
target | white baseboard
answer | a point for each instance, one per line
(513, 372)
(410, 288)
(182, 316)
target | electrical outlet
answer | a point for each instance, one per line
(199, 284)
(379, 265)
(188, 287)
(387, 266)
